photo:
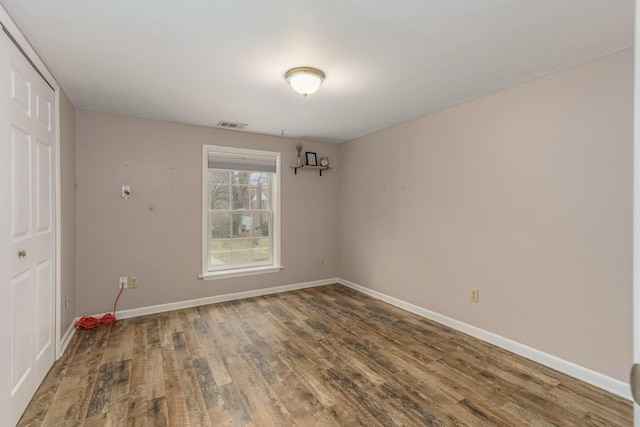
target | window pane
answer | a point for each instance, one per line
(219, 189)
(239, 239)
(266, 193)
(222, 245)
(220, 176)
(262, 224)
(258, 178)
(220, 225)
(261, 242)
(241, 251)
(220, 253)
(241, 177)
(259, 197)
(240, 196)
(220, 260)
(260, 250)
(242, 224)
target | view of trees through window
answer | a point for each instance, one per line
(240, 218)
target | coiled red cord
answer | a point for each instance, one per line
(89, 322)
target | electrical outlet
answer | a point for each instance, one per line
(321, 262)
(123, 282)
(133, 282)
(67, 302)
(475, 295)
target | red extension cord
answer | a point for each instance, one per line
(89, 322)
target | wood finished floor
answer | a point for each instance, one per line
(326, 356)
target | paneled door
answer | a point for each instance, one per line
(29, 209)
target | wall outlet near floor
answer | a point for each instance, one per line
(475, 295)
(321, 262)
(133, 282)
(123, 282)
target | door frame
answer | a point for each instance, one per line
(10, 26)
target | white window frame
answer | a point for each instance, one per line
(276, 265)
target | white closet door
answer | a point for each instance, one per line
(29, 207)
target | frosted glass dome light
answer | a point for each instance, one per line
(305, 80)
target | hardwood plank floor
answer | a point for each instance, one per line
(326, 356)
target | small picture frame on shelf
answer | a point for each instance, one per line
(312, 160)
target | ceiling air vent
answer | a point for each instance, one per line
(231, 125)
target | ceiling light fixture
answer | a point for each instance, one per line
(304, 80)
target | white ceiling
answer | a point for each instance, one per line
(203, 61)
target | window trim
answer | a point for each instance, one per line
(276, 265)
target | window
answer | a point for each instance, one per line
(241, 212)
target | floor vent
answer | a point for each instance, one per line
(231, 125)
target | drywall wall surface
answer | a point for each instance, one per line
(156, 234)
(524, 194)
(67, 211)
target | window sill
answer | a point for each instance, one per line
(252, 271)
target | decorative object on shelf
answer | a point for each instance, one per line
(312, 162)
(299, 148)
(304, 80)
(311, 159)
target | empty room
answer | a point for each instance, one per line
(294, 213)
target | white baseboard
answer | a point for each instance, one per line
(161, 308)
(66, 338)
(597, 379)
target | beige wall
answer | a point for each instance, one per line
(117, 237)
(68, 210)
(525, 194)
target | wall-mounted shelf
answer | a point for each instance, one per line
(307, 167)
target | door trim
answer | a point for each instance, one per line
(636, 205)
(58, 254)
